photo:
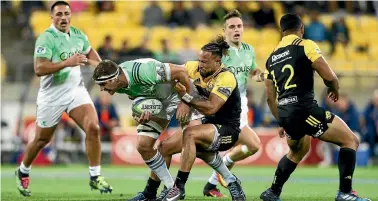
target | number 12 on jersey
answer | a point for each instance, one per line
(287, 83)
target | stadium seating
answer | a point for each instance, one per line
(125, 24)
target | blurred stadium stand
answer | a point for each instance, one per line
(356, 63)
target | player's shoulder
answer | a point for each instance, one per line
(247, 47)
(308, 43)
(76, 31)
(191, 65)
(48, 34)
(226, 76)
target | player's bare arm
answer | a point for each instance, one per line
(93, 57)
(257, 75)
(43, 66)
(329, 77)
(205, 106)
(180, 74)
(271, 95)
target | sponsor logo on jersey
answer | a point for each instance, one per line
(41, 50)
(225, 91)
(288, 100)
(65, 55)
(279, 56)
(239, 69)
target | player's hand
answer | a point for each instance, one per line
(333, 94)
(143, 118)
(181, 89)
(183, 113)
(76, 60)
(281, 132)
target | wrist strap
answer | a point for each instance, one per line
(187, 98)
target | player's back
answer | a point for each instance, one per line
(289, 66)
(147, 77)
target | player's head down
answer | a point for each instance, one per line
(61, 15)
(233, 26)
(211, 55)
(291, 23)
(106, 75)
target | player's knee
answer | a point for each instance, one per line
(299, 150)
(93, 129)
(144, 148)
(353, 142)
(253, 148)
(189, 134)
(41, 142)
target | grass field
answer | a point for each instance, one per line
(71, 183)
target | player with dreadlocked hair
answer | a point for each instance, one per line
(219, 130)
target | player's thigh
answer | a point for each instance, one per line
(299, 146)
(149, 132)
(249, 138)
(203, 135)
(173, 144)
(44, 134)
(82, 110)
(340, 134)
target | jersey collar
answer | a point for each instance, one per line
(289, 37)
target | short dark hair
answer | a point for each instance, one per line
(231, 14)
(105, 70)
(58, 3)
(290, 22)
(218, 47)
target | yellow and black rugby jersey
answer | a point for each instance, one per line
(289, 66)
(224, 85)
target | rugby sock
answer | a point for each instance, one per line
(94, 171)
(181, 179)
(158, 166)
(347, 162)
(213, 179)
(24, 170)
(218, 165)
(151, 188)
(284, 169)
(228, 162)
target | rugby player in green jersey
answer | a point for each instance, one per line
(59, 53)
(153, 79)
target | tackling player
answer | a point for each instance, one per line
(147, 78)
(241, 61)
(59, 53)
(219, 130)
(290, 73)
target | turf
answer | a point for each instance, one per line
(71, 183)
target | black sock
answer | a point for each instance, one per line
(209, 186)
(284, 169)
(94, 177)
(347, 162)
(181, 179)
(22, 174)
(151, 188)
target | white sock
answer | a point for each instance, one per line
(218, 165)
(213, 179)
(24, 169)
(158, 166)
(94, 171)
(227, 160)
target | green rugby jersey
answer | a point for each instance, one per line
(56, 46)
(240, 62)
(146, 77)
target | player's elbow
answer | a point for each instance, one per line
(210, 111)
(38, 70)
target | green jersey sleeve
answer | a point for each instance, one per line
(84, 37)
(44, 46)
(254, 64)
